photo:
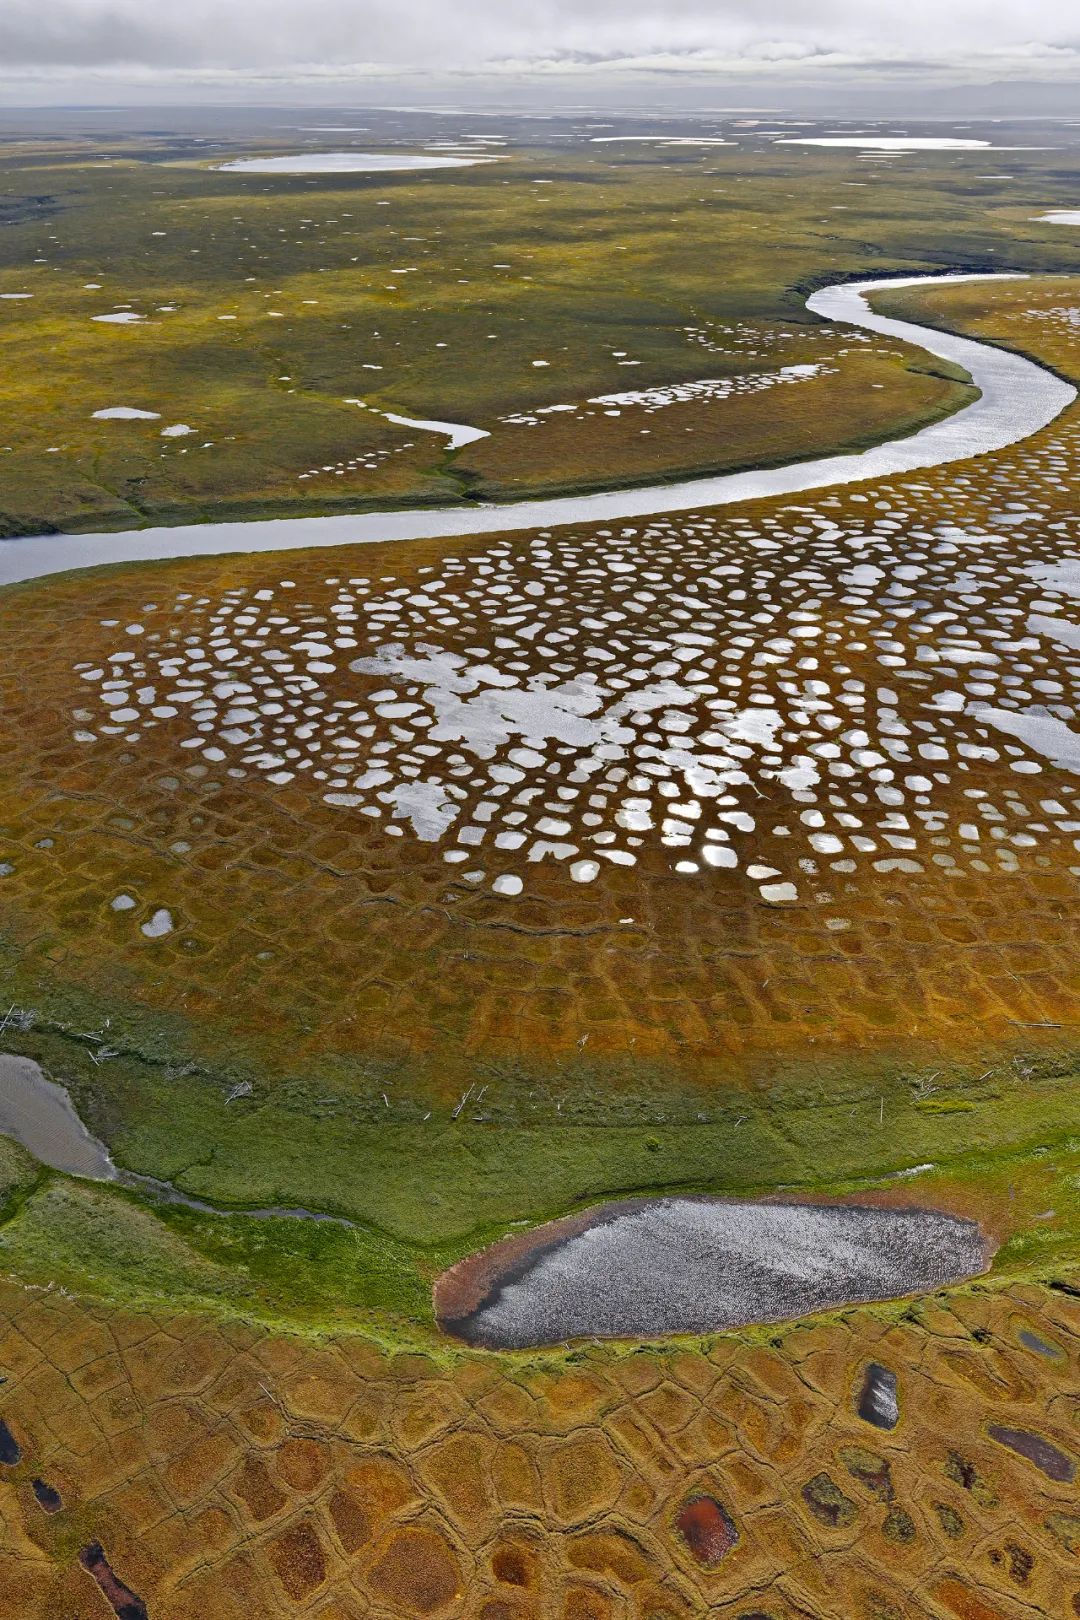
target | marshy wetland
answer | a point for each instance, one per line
(643, 934)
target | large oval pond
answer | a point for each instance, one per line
(651, 1268)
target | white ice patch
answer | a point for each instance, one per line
(425, 806)
(1059, 630)
(754, 726)
(1061, 576)
(704, 390)
(125, 413)
(707, 388)
(1039, 731)
(456, 434)
(902, 143)
(661, 140)
(347, 163)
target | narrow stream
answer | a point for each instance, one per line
(39, 1115)
(639, 1268)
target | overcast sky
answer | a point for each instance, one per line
(265, 49)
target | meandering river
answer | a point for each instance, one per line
(1016, 398)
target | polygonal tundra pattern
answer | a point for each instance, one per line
(219, 1469)
(786, 780)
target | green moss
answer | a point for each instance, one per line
(422, 1198)
(93, 1240)
(19, 1173)
(456, 1182)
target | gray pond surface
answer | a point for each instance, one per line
(1016, 398)
(690, 1265)
(39, 1114)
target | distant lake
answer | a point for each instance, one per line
(347, 163)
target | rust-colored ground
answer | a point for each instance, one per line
(230, 1473)
(770, 824)
(755, 815)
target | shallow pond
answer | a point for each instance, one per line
(649, 1268)
(39, 1114)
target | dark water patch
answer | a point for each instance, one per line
(28, 210)
(1021, 1563)
(967, 1476)
(48, 1499)
(1031, 1341)
(126, 1604)
(708, 1530)
(1036, 1449)
(879, 1402)
(10, 1449)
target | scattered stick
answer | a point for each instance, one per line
(463, 1101)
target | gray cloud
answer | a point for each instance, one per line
(304, 40)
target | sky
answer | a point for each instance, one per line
(775, 51)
